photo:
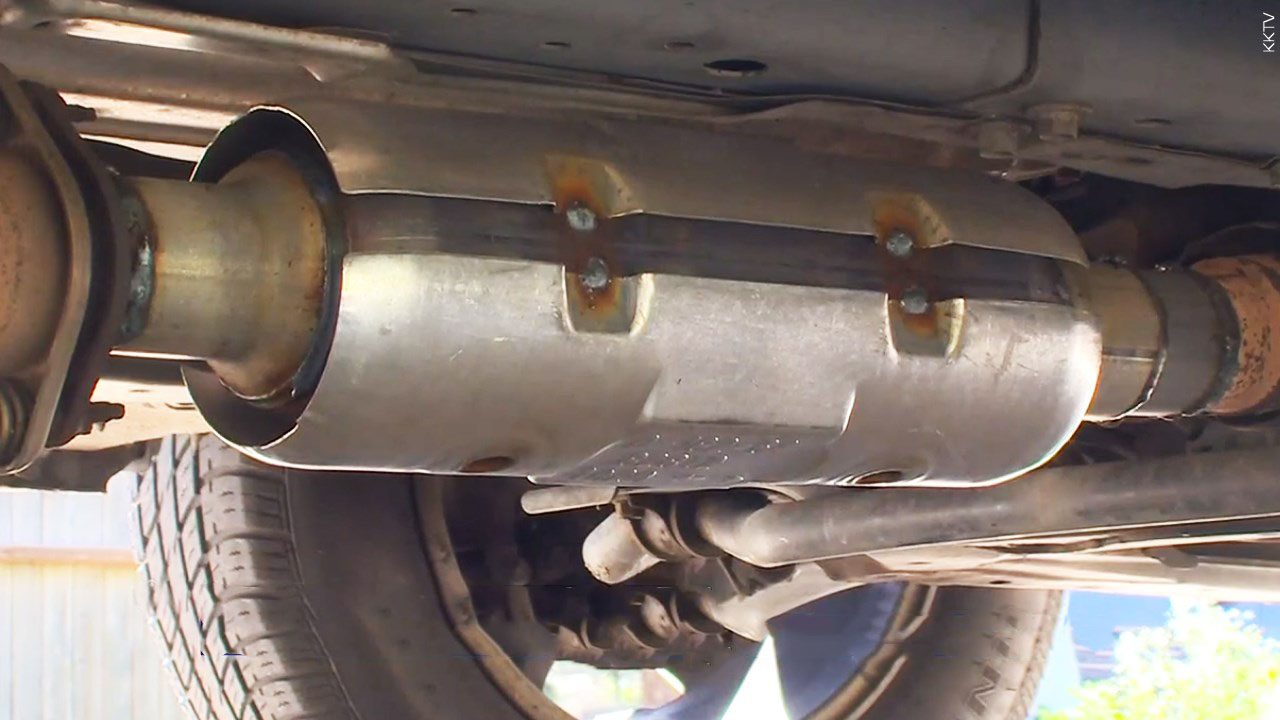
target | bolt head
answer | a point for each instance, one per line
(999, 139)
(580, 218)
(899, 244)
(595, 275)
(914, 301)
(1058, 122)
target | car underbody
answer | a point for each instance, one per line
(706, 297)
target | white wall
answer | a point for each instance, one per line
(75, 642)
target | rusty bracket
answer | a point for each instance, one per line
(600, 295)
(908, 229)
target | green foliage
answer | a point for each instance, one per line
(1208, 663)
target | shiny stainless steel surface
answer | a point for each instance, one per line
(722, 175)
(509, 365)
(689, 376)
(441, 361)
(1200, 334)
(705, 382)
(445, 361)
(1132, 339)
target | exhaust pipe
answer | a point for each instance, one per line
(601, 300)
(1092, 501)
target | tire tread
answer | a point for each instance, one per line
(215, 550)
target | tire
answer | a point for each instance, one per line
(283, 595)
(972, 654)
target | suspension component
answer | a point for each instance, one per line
(647, 626)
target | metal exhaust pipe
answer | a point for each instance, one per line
(1080, 500)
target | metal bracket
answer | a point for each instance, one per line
(63, 247)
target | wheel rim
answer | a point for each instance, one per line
(848, 687)
(456, 599)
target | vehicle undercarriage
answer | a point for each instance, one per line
(692, 344)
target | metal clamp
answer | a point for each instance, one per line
(59, 265)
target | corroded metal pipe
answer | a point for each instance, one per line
(1185, 341)
(33, 263)
(232, 273)
(1252, 286)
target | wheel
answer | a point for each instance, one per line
(285, 595)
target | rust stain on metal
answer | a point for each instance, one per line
(32, 263)
(935, 333)
(577, 178)
(911, 214)
(923, 324)
(582, 182)
(1253, 285)
(40, 173)
(487, 465)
